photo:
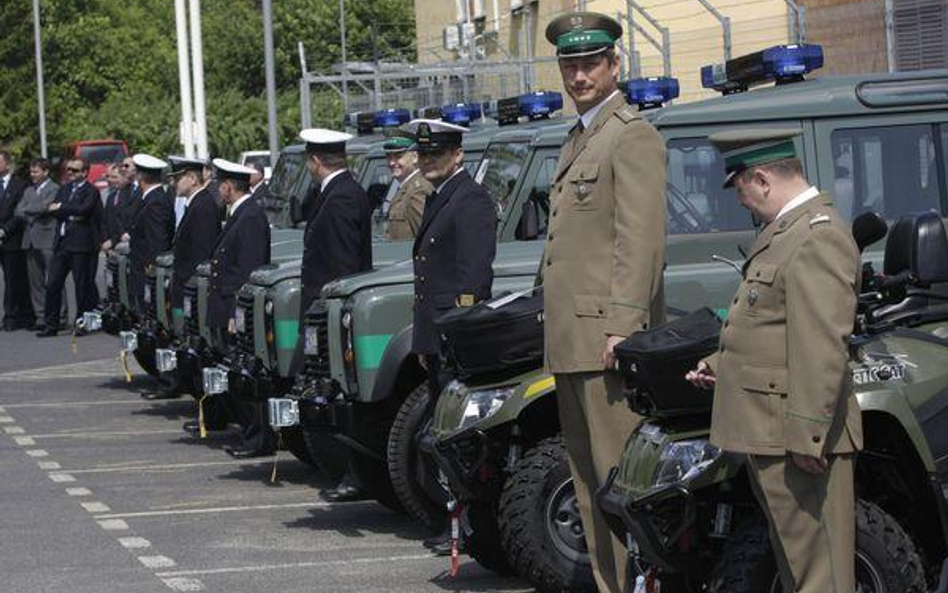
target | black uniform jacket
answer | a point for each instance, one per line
(242, 247)
(150, 231)
(453, 255)
(338, 237)
(194, 241)
(13, 227)
(77, 218)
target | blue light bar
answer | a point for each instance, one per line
(461, 114)
(428, 112)
(391, 118)
(540, 104)
(652, 92)
(781, 64)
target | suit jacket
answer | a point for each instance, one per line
(407, 208)
(76, 218)
(151, 229)
(12, 226)
(194, 241)
(453, 255)
(120, 207)
(39, 225)
(783, 382)
(338, 237)
(261, 195)
(242, 247)
(605, 247)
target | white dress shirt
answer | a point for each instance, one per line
(799, 200)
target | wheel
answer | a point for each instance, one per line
(371, 429)
(328, 454)
(483, 543)
(540, 525)
(294, 442)
(414, 476)
(886, 558)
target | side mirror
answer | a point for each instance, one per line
(868, 228)
(528, 228)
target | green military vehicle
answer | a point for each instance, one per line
(498, 443)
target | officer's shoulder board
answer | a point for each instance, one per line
(626, 113)
(818, 219)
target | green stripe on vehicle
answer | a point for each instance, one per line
(177, 313)
(370, 349)
(722, 313)
(287, 332)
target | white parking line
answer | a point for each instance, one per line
(6, 420)
(170, 466)
(78, 491)
(99, 434)
(154, 562)
(95, 507)
(38, 453)
(184, 585)
(24, 441)
(113, 525)
(315, 564)
(260, 507)
(13, 430)
(47, 465)
(134, 543)
(69, 404)
(60, 478)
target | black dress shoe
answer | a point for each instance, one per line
(240, 453)
(438, 540)
(9, 325)
(343, 494)
(192, 427)
(159, 395)
(47, 333)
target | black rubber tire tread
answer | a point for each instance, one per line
(294, 442)
(748, 564)
(327, 453)
(410, 418)
(521, 517)
(372, 475)
(483, 544)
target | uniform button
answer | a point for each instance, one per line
(734, 302)
(423, 259)
(551, 237)
(416, 258)
(757, 274)
(422, 279)
(727, 323)
(554, 211)
(549, 262)
(772, 385)
(816, 438)
(432, 240)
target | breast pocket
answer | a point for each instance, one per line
(760, 292)
(581, 184)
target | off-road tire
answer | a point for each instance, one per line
(525, 535)
(372, 474)
(403, 460)
(483, 543)
(882, 546)
(327, 453)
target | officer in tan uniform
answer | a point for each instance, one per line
(783, 392)
(408, 204)
(602, 265)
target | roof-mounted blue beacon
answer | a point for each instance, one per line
(461, 114)
(652, 92)
(391, 118)
(533, 106)
(781, 64)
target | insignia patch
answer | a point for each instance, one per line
(466, 300)
(819, 218)
(583, 189)
(752, 296)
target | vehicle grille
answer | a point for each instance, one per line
(191, 327)
(244, 340)
(317, 366)
(112, 288)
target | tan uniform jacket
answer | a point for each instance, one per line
(605, 248)
(404, 215)
(783, 384)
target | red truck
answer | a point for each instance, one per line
(99, 154)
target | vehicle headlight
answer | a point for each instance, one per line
(311, 340)
(479, 405)
(684, 460)
(240, 319)
(268, 307)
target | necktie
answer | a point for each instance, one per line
(3, 185)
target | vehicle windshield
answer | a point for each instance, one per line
(102, 153)
(499, 170)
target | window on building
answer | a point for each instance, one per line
(696, 200)
(889, 170)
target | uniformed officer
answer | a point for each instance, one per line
(406, 207)
(337, 241)
(242, 247)
(602, 265)
(455, 244)
(783, 393)
(151, 229)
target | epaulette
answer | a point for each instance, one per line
(626, 113)
(819, 219)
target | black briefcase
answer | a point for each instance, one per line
(494, 339)
(654, 363)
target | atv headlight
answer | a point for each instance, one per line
(683, 460)
(479, 405)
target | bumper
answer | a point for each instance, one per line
(116, 318)
(465, 460)
(319, 414)
(656, 522)
(250, 382)
(189, 360)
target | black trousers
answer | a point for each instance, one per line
(63, 264)
(17, 306)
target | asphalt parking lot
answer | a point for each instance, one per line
(103, 492)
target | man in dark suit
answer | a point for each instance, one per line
(39, 234)
(17, 308)
(453, 252)
(151, 229)
(242, 247)
(259, 191)
(75, 208)
(337, 241)
(119, 208)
